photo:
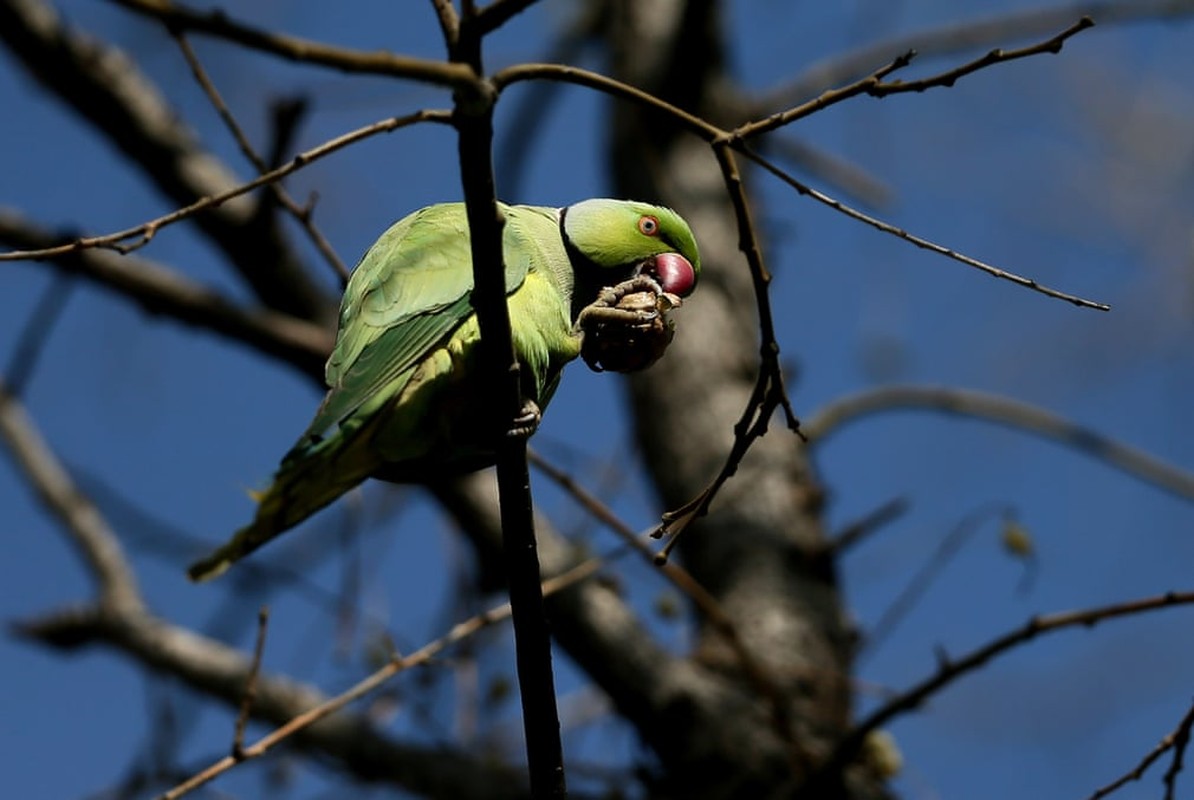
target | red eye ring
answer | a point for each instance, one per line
(648, 225)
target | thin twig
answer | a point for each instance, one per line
(923, 577)
(302, 215)
(220, 25)
(421, 656)
(162, 291)
(997, 56)
(145, 232)
(856, 531)
(112, 94)
(1179, 736)
(824, 100)
(769, 393)
(1002, 411)
(950, 670)
(246, 703)
(924, 244)
(679, 577)
(713, 135)
(1181, 740)
(849, 178)
(966, 36)
(874, 85)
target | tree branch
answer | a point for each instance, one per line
(672, 701)
(304, 714)
(162, 291)
(1002, 411)
(142, 234)
(717, 136)
(291, 48)
(1179, 737)
(86, 530)
(474, 122)
(921, 242)
(950, 670)
(99, 83)
(279, 193)
(875, 86)
(965, 37)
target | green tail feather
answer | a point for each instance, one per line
(310, 478)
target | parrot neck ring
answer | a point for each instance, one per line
(579, 260)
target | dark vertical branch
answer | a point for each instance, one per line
(474, 122)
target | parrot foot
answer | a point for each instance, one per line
(527, 421)
(608, 307)
(626, 328)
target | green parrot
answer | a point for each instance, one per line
(406, 403)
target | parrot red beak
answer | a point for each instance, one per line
(672, 271)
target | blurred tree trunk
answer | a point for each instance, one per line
(761, 550)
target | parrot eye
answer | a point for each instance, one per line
(648, 225)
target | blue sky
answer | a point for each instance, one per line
(1075, 169)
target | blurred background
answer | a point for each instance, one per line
(1075, 169)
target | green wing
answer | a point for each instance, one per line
(406, 296)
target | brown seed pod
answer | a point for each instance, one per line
(630, 335)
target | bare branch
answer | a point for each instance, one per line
(305, 715)
(1003, 411)
(712, 134)
(919, 582)
(875, 86)
(997, 56)
(144, 233)
(827, 98)
(302, 215)
(86, 529)
(449, 21)
(769, 393)
(246, 703)
(920, 242)
(110, 92)
(321, 711)
(160, 290)
(950, 670)
(967, 37)
(602, 633)
(1178, 737)
(220, 25)
(1181, 740)
(502, 371)
(679, 577)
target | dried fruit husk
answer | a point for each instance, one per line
(631, 344)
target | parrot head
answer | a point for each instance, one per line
(619, 239)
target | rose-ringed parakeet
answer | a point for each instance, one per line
(406, 402)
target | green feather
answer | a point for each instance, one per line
(404, 400)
